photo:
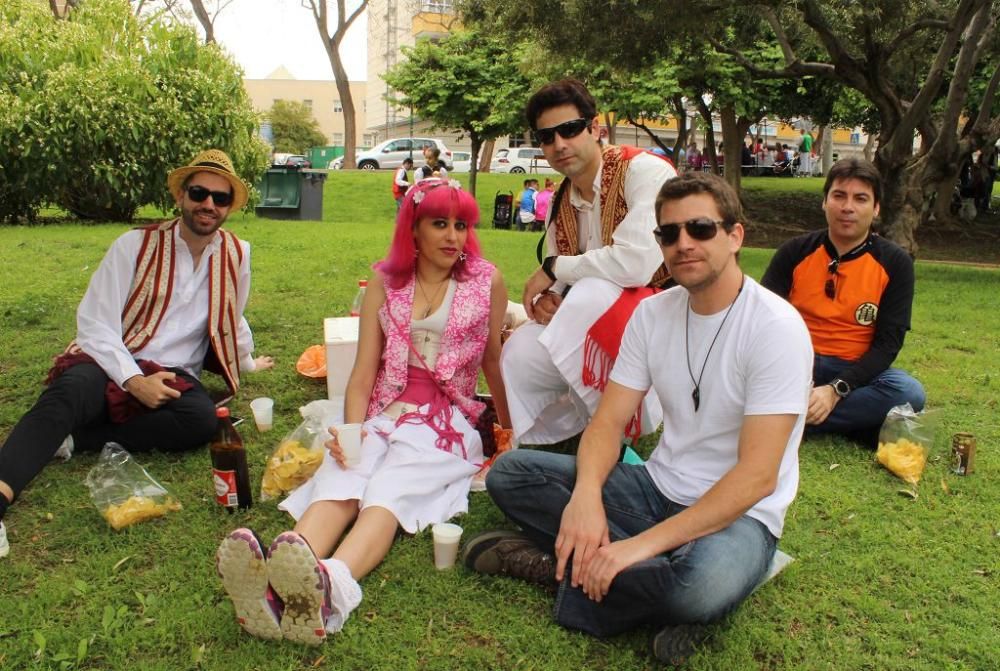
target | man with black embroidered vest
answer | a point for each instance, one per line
(682, 540)
(166, 301)
(599, 244)
(854, 290)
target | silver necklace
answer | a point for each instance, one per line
(696, 392)
(430, 303)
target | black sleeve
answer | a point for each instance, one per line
(778, 276)
(893, 320)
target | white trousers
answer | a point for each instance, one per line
(543, 370)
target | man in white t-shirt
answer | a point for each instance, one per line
(680, 541)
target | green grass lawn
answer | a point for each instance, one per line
(881, 581)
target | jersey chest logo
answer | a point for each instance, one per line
(866, 314)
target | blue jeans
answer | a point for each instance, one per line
(865, 408)
(698, 582)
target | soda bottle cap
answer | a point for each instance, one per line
(222, 412)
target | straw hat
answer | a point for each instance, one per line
(211, 160)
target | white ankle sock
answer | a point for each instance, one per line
(345, 593)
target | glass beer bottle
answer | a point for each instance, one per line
(230, 473)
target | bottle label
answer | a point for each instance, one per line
(225, 487)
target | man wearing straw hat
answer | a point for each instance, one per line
(166, 301)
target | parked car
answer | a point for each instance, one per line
(337, 163)
(461, 161)
(520, 160)
(297, 161)
(390, 154)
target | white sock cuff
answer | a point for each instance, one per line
(345, 592)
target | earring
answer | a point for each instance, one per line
(462, 256)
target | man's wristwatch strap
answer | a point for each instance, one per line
(841, 387)
(548, 267)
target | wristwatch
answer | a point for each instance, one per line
(841, 388)
(548, 267)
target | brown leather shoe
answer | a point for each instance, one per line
(509, 553)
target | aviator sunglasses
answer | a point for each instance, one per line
(701, 228)
(566, 130)
(830, 287)
(199, 193)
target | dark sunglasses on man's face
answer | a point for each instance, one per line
(566, 130)
(699, 229)
(199, 193)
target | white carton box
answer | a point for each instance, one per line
(341, 337)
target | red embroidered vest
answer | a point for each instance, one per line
(152, 288)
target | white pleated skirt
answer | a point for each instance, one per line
(400, 470)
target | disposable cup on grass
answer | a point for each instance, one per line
(446, 537)
(263, 413)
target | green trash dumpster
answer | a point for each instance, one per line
(291, 193)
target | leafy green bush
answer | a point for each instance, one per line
(95, 110)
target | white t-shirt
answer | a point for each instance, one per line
(761, 364)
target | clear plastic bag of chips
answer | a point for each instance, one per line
(905, 440)
(123, 492)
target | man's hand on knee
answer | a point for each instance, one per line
(582, 531)
(536, 286)
(151, 390)
(546, 306)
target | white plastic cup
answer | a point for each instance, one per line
(349, 437)
(263, 413)
(446, 537)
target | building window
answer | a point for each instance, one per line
(338, 138)
(438, 6)
(308, 104)
(337, 107)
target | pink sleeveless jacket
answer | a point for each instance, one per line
(462, 344)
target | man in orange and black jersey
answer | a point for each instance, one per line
(854, 290)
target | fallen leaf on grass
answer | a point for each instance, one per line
(984, 572)
(319, 660)
(49, 517)
(944, 487)
(907, 492)
(833, 466)
(120, 562)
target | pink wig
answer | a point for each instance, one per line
(428, 199)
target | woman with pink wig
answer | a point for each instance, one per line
(431, 319)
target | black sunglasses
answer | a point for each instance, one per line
(199, 193)
(566, 130)
(830, 288)
(699, 229)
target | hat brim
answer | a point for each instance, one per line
(175, 183)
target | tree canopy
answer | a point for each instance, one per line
(97, 108)
(294, 127)
(466, 81)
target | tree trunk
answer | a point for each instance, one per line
(477, 143)
(331, 42)
(902, 203)
(204, 19)
(709, 151)
(827, 152)
(680, 113)
(487, 157)
(611, 125)
(732, 139)
(869, 149)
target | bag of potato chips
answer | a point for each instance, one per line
(122, 490)
(905, 440)
(295, 460)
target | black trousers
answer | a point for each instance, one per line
(74, 404)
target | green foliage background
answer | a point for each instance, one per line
(294, 126)
(96, 109)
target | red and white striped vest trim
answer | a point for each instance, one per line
(152, 288)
